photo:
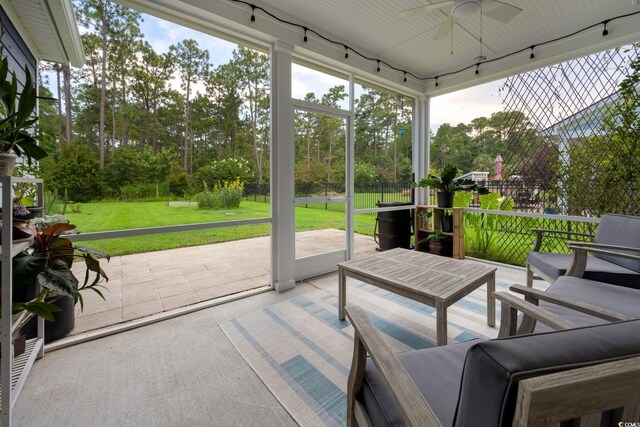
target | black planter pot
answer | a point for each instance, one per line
(447, 223)
(65, 320)
(445, 199)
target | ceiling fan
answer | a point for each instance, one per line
(494, 9)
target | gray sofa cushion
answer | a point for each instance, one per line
(493, 368)
(611, 297)
(619, 230)
(436, 372)
(555, 265)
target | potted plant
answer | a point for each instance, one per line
(447, 185)
(425, 215)
(17, 107)
(48, 263)
(435, 241)
(446, 221)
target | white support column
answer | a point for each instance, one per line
(282, 170)
(349, 171)
(421, 142)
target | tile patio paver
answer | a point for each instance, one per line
(149, 283)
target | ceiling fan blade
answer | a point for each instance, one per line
(445, 29)
(500, 11)
(425, 9)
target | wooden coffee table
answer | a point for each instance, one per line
(430, 279)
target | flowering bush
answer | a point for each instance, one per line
(225, 170)
(225, 196)
(364, 173)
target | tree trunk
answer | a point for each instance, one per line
(308, 147)
(329, 162)
(66, 78)
(186, 130)
(125, 141)
(60, 126)
(103, 93)
(113, 114)
(155, 128)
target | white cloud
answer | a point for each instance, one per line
(465, 105)
(161, 34)
(305, 80)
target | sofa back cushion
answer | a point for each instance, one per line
(619, 230)
(493, 368)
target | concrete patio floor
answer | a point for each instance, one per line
(179, 372)
(149, 283)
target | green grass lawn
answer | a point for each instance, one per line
(104, 216)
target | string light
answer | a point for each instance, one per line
(405, 77)
(253, 7)
(253, 15)
(477, 69)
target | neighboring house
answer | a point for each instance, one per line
(584, 123)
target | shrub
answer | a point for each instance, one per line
(179, 184)
(76, 170)
(124, 167)
(226, 196)
(364, 173)
(225, 170)
(144, 190)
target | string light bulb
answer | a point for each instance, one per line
(405, 77)
(252, 20)
(477, 69)
(253, 16)
(605, 32)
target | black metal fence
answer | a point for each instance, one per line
(528, 196)
(366, 195)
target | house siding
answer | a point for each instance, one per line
(15, 49)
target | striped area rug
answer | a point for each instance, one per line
(302, 352)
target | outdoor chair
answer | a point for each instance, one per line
(615, 259)
(590, 374)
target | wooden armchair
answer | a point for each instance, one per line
(615, 254)
(539, 379)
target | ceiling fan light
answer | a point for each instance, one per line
(465, 8)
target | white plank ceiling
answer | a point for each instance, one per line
(373, 27)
